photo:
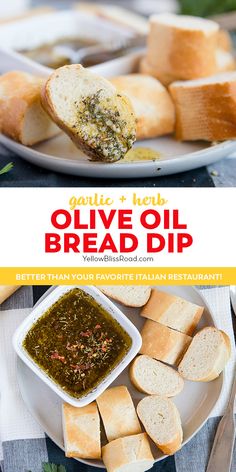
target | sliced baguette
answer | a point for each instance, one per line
(6, 291)
(225, 61)
(162, 422)
(206, 108)
(163, 343)
(155, 378)
(224, 41)
(182, 47)
(151, 102)
(172, 311)
(22, 117)
(98, 119)
(81, 427)
(129, 454)
(206, 356)
(118, 413)
(148, 69)
(128, 295)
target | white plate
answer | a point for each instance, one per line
(195, 402)
(59, 154)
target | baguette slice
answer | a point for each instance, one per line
(163, 343)
(22, 117)
(151, 102)
(98, 119)
(148, 69)
(225, 61)
(182, 47)
(224, 41)
(172, 311)
(129, 454)
(81, 427)
(206, 356)
(206, 108)
(155, 378)
(6, 291)
(162, 422)
(118, 413)
(128, 295)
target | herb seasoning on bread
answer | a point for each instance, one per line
(99, 119)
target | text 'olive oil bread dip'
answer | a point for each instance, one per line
(76, 342)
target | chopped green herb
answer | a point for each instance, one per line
(102, 128)
(77, 342)
(53, 467)
(6, 168)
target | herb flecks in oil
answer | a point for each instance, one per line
(102, 125)
(77, 342)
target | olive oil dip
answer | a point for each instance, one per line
(141, 154)
(76, 342)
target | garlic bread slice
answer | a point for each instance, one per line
(99, 120)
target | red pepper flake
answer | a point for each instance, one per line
(55, 355)
(98, 326)
(86, 334)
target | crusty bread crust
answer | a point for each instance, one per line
(73, 130)
(225, 61)
(183, 53)
(128, 450)
(172, 311)
(173, 446)
(111, 292)
(118, 413)
(163, 343)
(6, 291)
(225, 41)
(18, 92)
(205, 111)
(148, 69)
(82, 431)
(151, 102)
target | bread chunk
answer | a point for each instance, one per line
(129, 454)
(163, 343)
(155, 378)
(173, 311)
(22, 117)
(151, 102)
(81, 428)
(118, 413)
(98, 119)
(182, 47)
(206, 108)
(128, 295)
(162, 422)
(206, 356)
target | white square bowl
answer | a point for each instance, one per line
(102, 300)
(20, 34)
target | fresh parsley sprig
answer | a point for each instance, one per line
(47, 467)
(206, 7)
(6, 168)
(53, 467)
